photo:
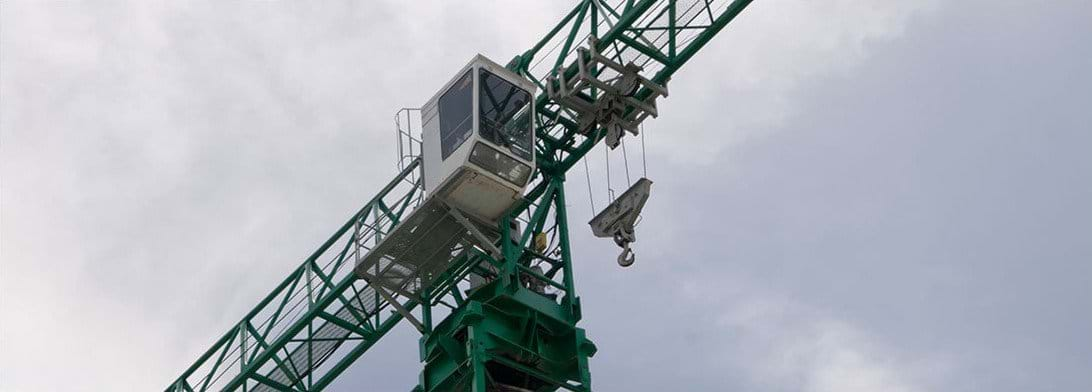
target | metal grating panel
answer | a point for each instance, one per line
(417, 250)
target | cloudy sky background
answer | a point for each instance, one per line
(850, 195)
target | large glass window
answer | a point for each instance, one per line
(456, 110)
(505, 114)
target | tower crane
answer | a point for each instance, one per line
(469, 242)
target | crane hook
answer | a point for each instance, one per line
(623, 238)
(627, 257)
(618, 220)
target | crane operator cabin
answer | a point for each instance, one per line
(478, 140)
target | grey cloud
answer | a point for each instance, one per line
(893, 196)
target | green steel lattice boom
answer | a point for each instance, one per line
(322, 317)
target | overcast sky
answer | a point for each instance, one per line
(850, 195)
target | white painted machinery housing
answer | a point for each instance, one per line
(478, 140)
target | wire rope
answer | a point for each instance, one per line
(587, 175)
(644, 163)
(625, 160)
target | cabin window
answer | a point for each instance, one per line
(505, 115)
(456, 110)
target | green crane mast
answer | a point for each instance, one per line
(496, 306)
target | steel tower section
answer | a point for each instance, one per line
(516, 330)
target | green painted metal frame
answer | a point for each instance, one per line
(484, 325)
(285, 342)
(320, 319)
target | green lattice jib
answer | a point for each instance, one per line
(321, 318)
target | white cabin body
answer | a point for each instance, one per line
(478, 140)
